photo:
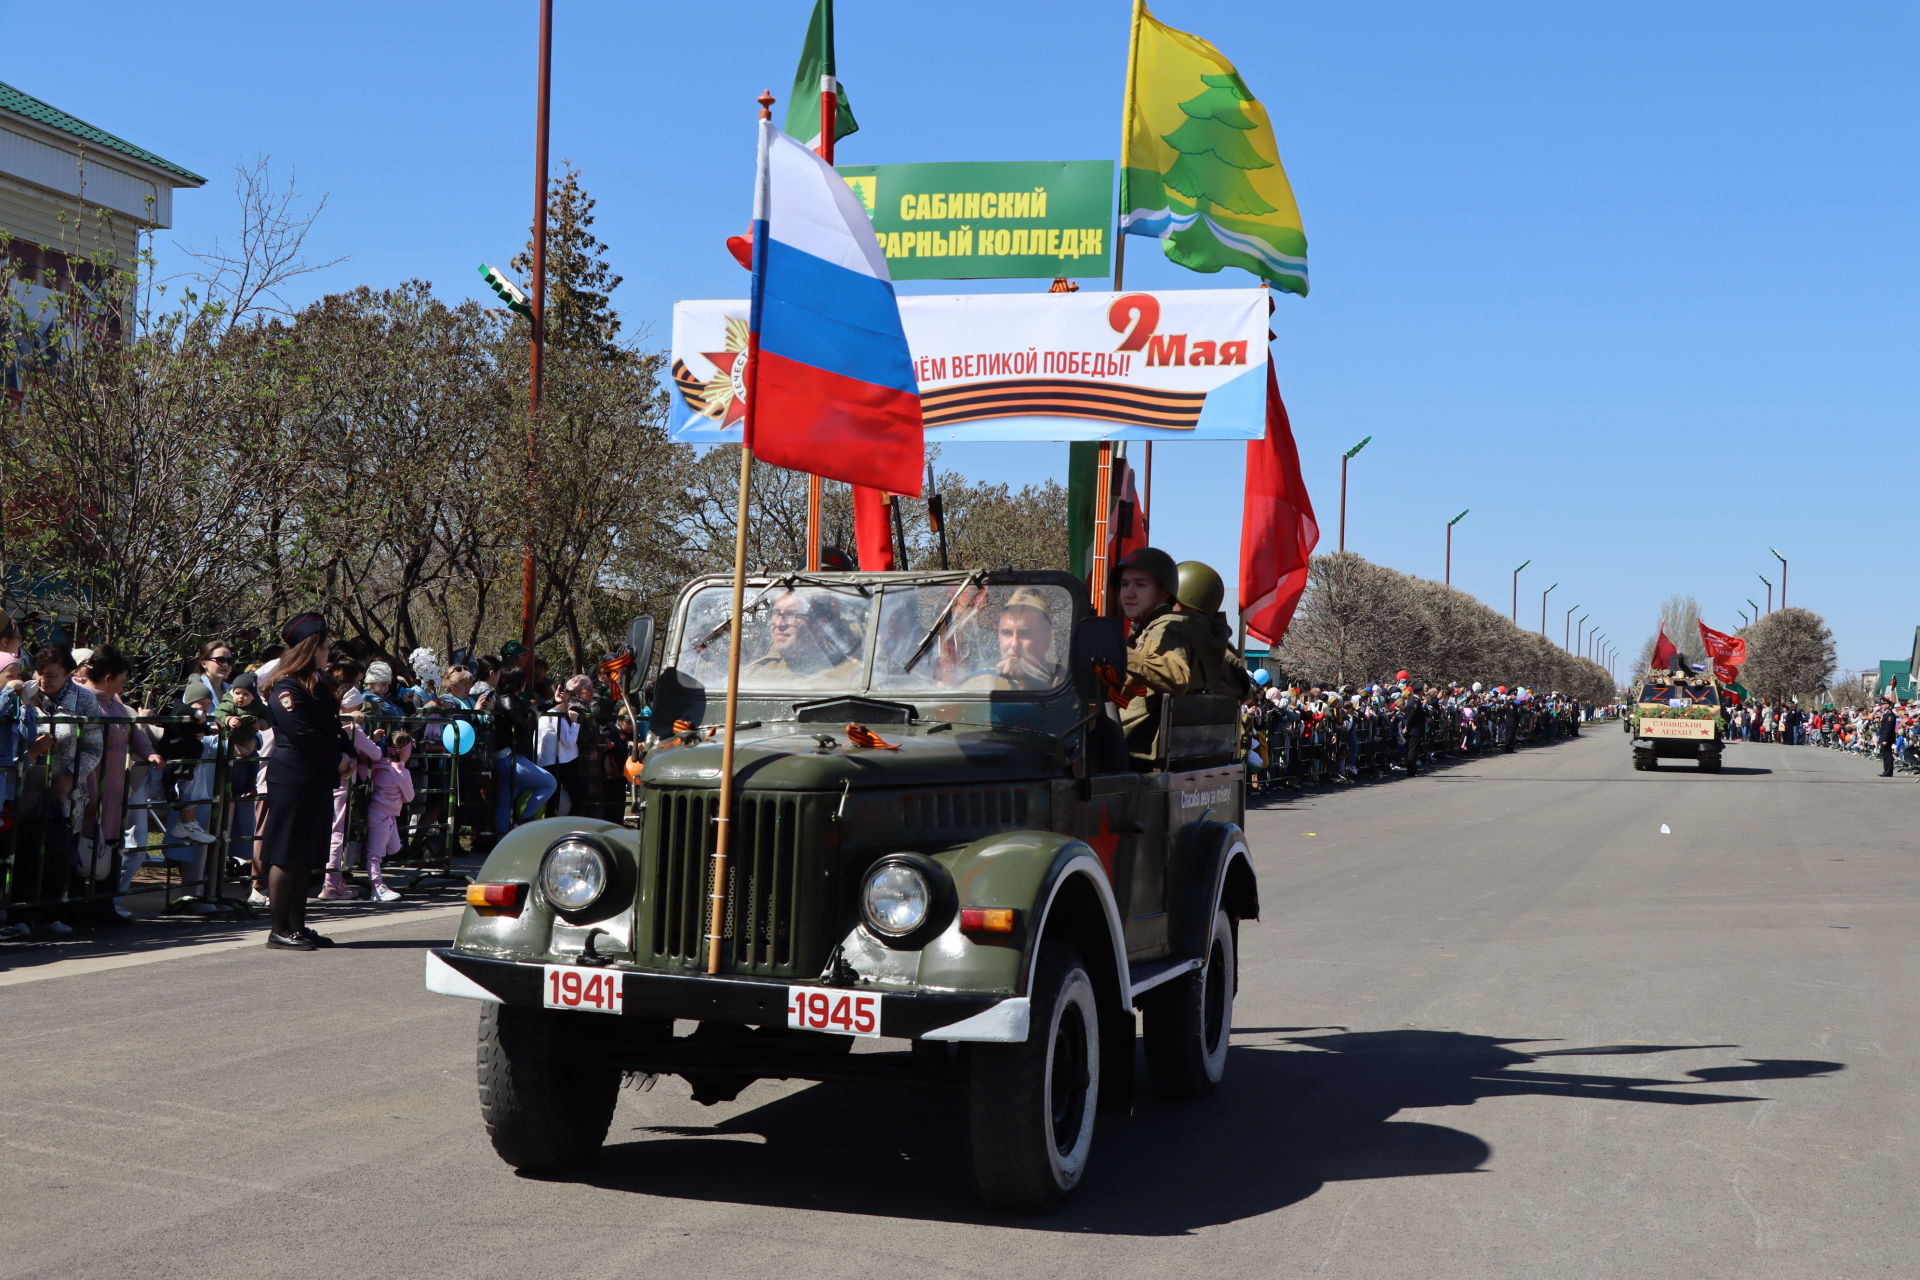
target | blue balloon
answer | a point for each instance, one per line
(457, 737)
(1263, 677)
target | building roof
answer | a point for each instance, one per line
(25, 104)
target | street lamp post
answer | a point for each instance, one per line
(1456, 520)
(1345, 458)
(1516, 592)
(1580, 632)
(1783, 576)
(1756, 608)
(1763, 577)
(1543, 610)
(1566, 631)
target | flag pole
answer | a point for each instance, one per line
(723, 820)
(829, 117)
(1103, 474)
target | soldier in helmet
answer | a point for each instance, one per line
(1199, 596)
(1162, 653)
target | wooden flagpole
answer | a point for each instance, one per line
(723, 820)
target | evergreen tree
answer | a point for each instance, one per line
(580, 315)
(1215, 153)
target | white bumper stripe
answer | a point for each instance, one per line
(449, 981)
(1004, 1023)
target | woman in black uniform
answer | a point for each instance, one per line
(310, 750)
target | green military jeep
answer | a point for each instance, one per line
(944, 867)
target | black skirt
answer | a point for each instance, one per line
(299, 829)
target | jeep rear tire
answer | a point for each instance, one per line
(1030, 1106)
(1189, 1021)
(547, 1102)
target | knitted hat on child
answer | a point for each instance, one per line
(197, 690)
(379, 673)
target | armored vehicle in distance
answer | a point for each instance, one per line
(1677, 718)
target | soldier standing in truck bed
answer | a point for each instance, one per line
(1162, 653)
(1198, 597)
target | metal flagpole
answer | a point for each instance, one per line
(723, 821)
(829, 117)
(537, 303)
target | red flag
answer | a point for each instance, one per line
(872, 529)
(1277, 528)
(1723, 648)
(1726, 673)
(1664, 652)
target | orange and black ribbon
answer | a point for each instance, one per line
(1120, 691)
(613, 668)
(861, 736)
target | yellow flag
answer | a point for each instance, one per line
(1199, 166)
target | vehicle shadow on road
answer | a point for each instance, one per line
(1295, 1113)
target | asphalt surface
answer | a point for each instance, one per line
(1492, 1024)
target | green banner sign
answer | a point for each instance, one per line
(1038, 218)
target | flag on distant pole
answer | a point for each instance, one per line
(831, 387)
(1199, 167)
(813, 83)
(1664, 652)
(1278, 530)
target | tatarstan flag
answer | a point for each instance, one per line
(1199, 167)
(815, 78)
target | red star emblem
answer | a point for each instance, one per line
(725, 361)
(1106, 843)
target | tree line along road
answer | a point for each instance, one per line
(1493, 1023)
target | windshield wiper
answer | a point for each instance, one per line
(788, 583)
(940, 623)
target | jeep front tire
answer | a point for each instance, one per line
(1030, 1107)
(547, 1102)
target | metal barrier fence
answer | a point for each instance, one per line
(72, 851)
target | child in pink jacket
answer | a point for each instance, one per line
(392, 792)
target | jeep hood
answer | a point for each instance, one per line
(788, 757)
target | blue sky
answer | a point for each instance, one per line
(1563, 254)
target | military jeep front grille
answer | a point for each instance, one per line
(773, 861)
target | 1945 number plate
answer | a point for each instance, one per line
(843, 1012)
(571, 987)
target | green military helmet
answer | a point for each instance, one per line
(1200, 587)
(1153, 562)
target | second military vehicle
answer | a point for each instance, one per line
(1677, 719)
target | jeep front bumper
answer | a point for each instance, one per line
(742, 1001)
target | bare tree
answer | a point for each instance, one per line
(241, 282)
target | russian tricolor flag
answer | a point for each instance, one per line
(830, 384)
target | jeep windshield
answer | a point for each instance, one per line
(819, 639)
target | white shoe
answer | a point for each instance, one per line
(258, 899)
(195, 832)
(384, 894)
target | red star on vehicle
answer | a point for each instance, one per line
(1106, 843)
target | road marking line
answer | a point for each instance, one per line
(254, 938)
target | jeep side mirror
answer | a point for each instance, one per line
(640, 642)
(677, 696)
(1096, 640)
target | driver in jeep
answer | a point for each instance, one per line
(803, 643)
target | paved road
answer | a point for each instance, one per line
(1494, 1025)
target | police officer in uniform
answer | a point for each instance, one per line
(1415, 726)
(1161, 653)
(1198, 596)
(1889, 728)
(311, 753)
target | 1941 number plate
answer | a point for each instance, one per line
(591, 990)
(846, 1013)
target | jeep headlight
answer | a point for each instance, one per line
(574, 874)
(896, 898)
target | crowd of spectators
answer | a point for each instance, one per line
(94, 787)
(1311, 733)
